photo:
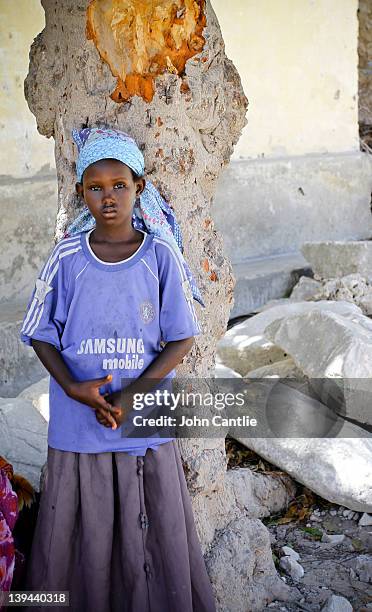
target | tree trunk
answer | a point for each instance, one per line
(173, 89)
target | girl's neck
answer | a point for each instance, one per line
(115, 234)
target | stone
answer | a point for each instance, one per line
(292, 567)
(306, 288)
(19, 363)
(23, 437)
(249, 353)
(260, 495)
(263, 280)
(241, 568)
(365, 520)
(315, 518)
(38, 394)
(333, 538)
(335, 603)
(286, 368)
(221, 371)
(339, 470)
(245, 347)
(338, 258)
(329, 348)
(289, 552)
(363, 568)
(351, 288)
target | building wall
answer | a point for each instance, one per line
(299, 67)
(24, 152)
(365, 67)
(28, 189)
(297, 173)
(298, 63)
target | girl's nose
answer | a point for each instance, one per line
(108, 194)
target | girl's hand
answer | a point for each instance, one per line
(87, 392)
(104, 417)
(120, 413)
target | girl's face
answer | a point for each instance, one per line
(109, 191)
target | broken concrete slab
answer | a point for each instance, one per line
(38, 394)
(326, 345)
(305, 289)
(331, 259)
(245, 347)
(353, 288)
(280, 369)
(339, 469)
(261, 280)
(23, 437)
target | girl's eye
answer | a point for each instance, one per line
(94, 188)
(119, 185)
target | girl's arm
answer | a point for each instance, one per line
(86, 392)
(171, 355)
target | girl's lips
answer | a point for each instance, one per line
(109, 211)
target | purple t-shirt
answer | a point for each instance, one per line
(106, 318)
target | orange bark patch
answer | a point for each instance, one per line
(206, 265)
(184, 87)
(213, 276)
(141, 39)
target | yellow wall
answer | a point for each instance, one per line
(23, 150)
(297, 60)
(299, 68)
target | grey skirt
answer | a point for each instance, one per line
(118, 532)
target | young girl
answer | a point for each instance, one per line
(115, 526)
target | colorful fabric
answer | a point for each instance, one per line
(107, 318)
(151, 212)
(8, 517)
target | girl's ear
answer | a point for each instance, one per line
(79, 189)
(140, 186)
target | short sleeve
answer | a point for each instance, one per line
(46, 311)
(177, 313)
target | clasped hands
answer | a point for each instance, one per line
(107, 407)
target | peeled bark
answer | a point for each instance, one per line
(175, 91)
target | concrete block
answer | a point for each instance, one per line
(264, 279)
(335, 259)
(23, 437)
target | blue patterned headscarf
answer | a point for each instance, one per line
(151, 213)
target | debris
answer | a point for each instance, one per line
(337, 604)
(365, 520)
(292, 568)
(289, 552)
(333, 539)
